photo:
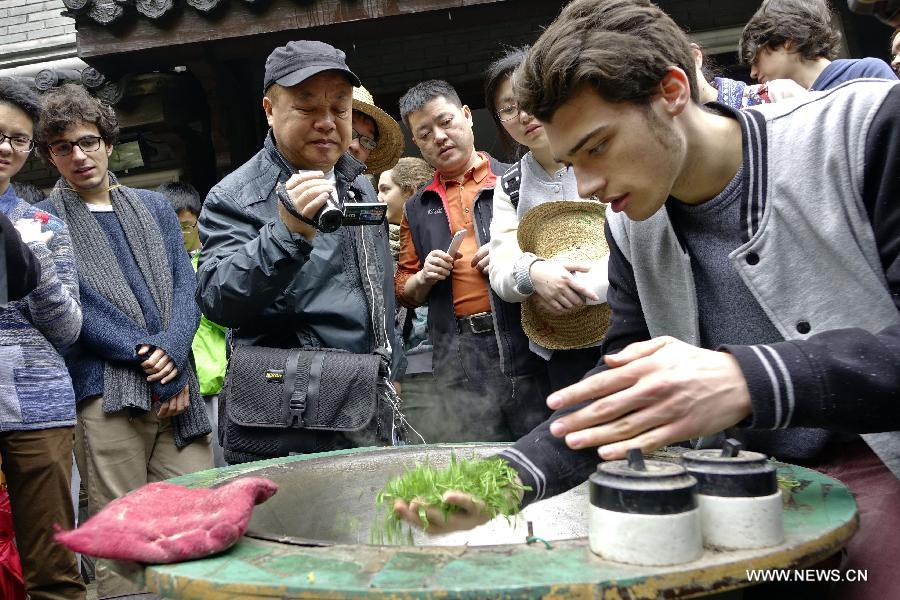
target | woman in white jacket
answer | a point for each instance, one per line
(516, 275)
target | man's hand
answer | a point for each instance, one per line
(471, 513)
(30, 231)
(308, 191)
(437, 267)
(656, 392)
(158, 365)
(482, 259)
(175, 405)
(557, 290)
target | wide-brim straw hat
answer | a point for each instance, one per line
(390, 136)
(565, 231)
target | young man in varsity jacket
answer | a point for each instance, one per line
(754, 268)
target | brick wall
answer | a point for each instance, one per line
(33, 31)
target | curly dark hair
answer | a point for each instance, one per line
(621, 48)
(16, 92)
(69, 105)
(498, 72)
(806, 24)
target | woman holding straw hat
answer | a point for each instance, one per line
(547, 245)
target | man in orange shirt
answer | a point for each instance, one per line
(495, 385)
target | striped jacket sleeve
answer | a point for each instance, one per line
(845, 379)
(54, 305)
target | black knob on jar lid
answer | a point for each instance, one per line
(731, 472)
(640, 486)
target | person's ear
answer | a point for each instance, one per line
(675, 91)
(467, 113)
(697, 54)
(109, 149)
(267, 108)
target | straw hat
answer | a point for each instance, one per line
(567, 231)
(390, 137)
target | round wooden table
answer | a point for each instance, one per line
(314, 490)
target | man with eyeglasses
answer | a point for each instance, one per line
(37, 403)
(481, 354)
(279, 282)
(140, 415)
(377, 141)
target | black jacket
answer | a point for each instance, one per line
(271, 286)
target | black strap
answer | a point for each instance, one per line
(315, 375)
(282, 195)
(290, 383)
(510, 183)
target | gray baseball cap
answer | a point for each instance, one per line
(298, 61)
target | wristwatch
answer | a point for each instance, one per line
(522, 274)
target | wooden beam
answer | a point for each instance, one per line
(237, 20)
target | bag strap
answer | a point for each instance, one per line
(511, 181)
(289, 382)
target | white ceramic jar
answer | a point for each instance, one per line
(740, 503)
(644, 512)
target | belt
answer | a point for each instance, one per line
(477, 323)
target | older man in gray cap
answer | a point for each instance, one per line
(279, 280)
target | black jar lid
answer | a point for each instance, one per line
(731, 472)
(636, 486)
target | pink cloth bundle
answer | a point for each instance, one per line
(165, 523)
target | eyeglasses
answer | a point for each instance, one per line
(18, 143)
(367, 142)
(88, 143)
(508, 113)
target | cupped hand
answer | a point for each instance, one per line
(471, 513)
(655, 393)
(482, 259)
(158, 365)
(557, 289)
(309, 191)
(437, 266)
(175, 405)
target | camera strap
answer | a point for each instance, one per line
(282, 195)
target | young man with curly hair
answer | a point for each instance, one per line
(140, 415)
(795, 39)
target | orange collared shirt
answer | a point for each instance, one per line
(470, 287)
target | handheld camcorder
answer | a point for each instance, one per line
(330, 217)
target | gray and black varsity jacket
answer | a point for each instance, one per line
(821, 255)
